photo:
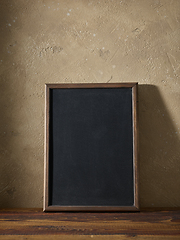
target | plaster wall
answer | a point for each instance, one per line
(87, 41)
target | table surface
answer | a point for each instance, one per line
(36, 224)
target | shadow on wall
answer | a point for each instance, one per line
(159, 149)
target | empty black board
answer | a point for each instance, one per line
(91, 147)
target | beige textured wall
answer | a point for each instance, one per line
(86, 41)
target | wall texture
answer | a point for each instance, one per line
(87, 41)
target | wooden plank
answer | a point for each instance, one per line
(119, 225)
(88, 237)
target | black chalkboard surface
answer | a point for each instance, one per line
(91, 147)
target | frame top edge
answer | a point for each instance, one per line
(91, 85)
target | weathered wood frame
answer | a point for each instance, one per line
(135, 207)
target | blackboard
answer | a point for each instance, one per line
(91, 147)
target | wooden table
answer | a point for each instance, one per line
(35, 224)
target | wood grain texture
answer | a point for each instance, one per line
(91, 85)
(135, 144)
(137, 225)
(46, 148)
(92, 237)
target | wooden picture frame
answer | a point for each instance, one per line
(91, 147)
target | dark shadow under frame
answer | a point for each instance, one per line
(46, 205)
